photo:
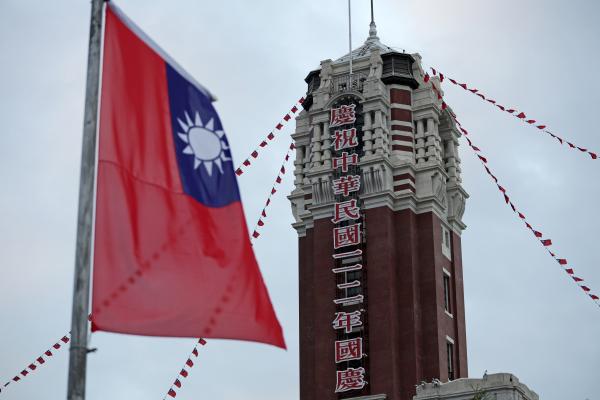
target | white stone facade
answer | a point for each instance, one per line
(501, 386)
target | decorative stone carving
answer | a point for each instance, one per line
(326, 73)
(376, 64)
(457, 205)
(438, 185)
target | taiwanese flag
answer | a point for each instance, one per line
(172, 256)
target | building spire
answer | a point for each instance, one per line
(372, 27)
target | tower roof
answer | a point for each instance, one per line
(370, 44)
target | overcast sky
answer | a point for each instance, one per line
(523, 313)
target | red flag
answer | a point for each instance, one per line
(271, 136)
(570, 271)
(562, 261)
(183, 373)
(294, 109)
(48, 353)
(195, 352)
(189, 363)
(541, 126)
(263, 144)
(164, 201)
(538, 234)
(254, 154)
(32, 367)
(426, 78)
(279, 126)
(587, 289)
(40, 360)
(594, 297)
(287, 117)
(521, 115)
(547, 242)
(577, 279)
(177, 383)
(172, 393)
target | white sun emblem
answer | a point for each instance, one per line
(204, 143)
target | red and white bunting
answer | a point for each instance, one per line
(520, 115)
(265, 142)
(546, 243)
(177, 383)
(39, 360)
(189, 364)
(260, 223)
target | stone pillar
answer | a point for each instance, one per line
(326, 145)
(420, 147)
(368, 135)
(316, 146)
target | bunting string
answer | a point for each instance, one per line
(545, 242)
(39, 361)
(137, 274)
(520, 115)
(265, 142)
(178, 382)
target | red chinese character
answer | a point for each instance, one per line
(342, 116)
(346, 210)
(350, 379)
(346, 236)
(347, 350)
(345, 139)
(347, 321)
(345, 160)
(346, 184)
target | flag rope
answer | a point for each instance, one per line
(546, 243)
(177, 383)
(265, 142)
(520, 115)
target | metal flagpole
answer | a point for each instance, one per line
(81, 290)
(350, 33)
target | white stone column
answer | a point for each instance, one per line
(316, 146)
(326, 145)
(368, 135)
(420, 142)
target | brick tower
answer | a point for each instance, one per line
(378, 204)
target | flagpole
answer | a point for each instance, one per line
(81, 291)
(350, 33)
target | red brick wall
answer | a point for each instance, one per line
(406, 318)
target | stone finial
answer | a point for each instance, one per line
(326, 72)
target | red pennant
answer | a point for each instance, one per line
(581, 149)
(246, 163)
(260, 222)
(271, 136)
(441, 77)
(577, 279)
(444, 105)
(255, 234)
(263, 213)
(56, 346)
(521, 216)
(547, 242)
(238, 172)
(273, 191)
(562, 261)
(513, 207)
(183, 373)
(593, 155)
(531, 121)
(172, 393)
(506, 199)
(32, 367)
(571, 145)
(48, 353)
(301, 100)
(521, 115)
(202, 342)
(527, 225)
(263, 144)
(501, 189)
(254, 154)
(482, 158)
(278, 180)
(292, 146)
(279, 126)
(195, 352)
(492, 101)
(587, 289)
(282, 169)
(476, 148)
(594, 297)
(473, 90)
(537, 234)
(40, 360)
(426, 78)
(24, 373)
(294, 109)
(268, 201)
(463, 85)
(453, 81)
(177, 383)
(287, 117)
(570, 271)
(189, 363)
(433, 71)
(541, 126)
(501, 107)
(65, 339)
(16, 379)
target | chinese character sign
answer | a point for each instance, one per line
(347, 235)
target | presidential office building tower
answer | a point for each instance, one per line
(378, 206)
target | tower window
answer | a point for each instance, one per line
(450, 356)
(446, 247)
(447, 294)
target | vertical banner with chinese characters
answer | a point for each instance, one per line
(349, 321)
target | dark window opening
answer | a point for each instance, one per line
(450, 351)
(447, 297)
